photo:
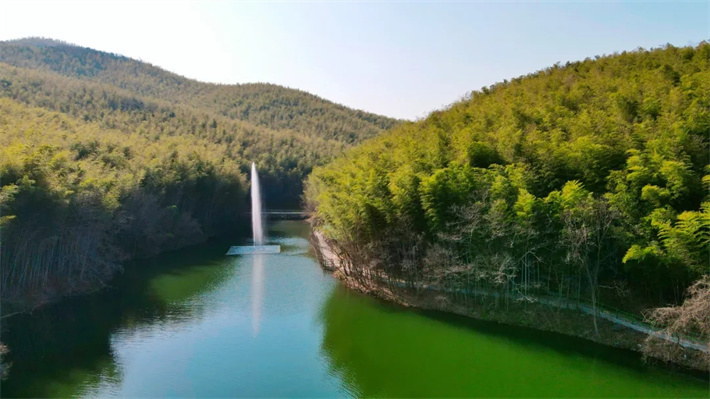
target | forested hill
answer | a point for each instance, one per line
(269, 105)
(587, 180)
(286, 132)
(103, 158)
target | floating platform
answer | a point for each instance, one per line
(254, 249)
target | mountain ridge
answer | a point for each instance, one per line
(267, 104)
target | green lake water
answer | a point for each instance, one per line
(198, 323)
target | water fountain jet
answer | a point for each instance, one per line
(256, 224)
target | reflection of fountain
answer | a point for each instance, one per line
(257, 292)
(257, 249)
(256, 223)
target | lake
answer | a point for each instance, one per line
(198, 323)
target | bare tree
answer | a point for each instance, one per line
(690, 318)
(587, 238)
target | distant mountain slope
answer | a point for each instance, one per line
(104, 158)
(284, 157)
(263, 104)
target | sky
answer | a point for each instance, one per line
(402, 59)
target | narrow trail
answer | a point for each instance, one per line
(330, 260)
(686, 343)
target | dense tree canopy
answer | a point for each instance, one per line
(103, 158)
(588, 179)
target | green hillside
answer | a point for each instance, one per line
(269, 105)
(587, 180)
(104, 158)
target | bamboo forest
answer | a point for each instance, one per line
(354, 200)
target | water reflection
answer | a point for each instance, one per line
(378, 350)
(257, 289)
(197, 323)
(192, 323)
(49, 338)
(68, 349)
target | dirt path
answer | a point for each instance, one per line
(331, 261)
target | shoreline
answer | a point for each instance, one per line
(32, 300)
(536, 315)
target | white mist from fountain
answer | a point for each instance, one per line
(258, 250)
(256, 225)
(257, 272)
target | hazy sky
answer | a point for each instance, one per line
(401, 59)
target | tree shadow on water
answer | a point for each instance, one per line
(61, 349)
(378, 349)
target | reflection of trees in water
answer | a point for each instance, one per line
(4, 367)
(55, 341)
(70, 343)
(380, 350)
